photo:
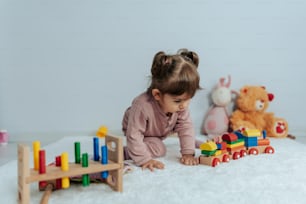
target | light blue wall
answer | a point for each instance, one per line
(66, 67)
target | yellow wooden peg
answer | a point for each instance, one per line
(65, 167)
(36, 148)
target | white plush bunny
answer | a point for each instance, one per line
(216, 121)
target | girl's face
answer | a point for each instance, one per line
(171, 103)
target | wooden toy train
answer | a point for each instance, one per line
(234, 146)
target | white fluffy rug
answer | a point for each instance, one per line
(278, 178)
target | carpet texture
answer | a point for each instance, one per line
(277, 178)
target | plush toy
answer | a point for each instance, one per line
(250, 113)
(216, 121)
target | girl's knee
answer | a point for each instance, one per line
(160, 150)
(156, 147)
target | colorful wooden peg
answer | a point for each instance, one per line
(77, 152)
(42, 168)
(96, 148)
(104, 160)
(85, 177)
(36, 148)
(65, 167)
(58, 182)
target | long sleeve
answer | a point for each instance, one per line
(186, 133)
(136, 127)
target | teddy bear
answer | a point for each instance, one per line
(250, 113)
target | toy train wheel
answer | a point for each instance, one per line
(243, 153)
(236, 155)
(253, 151)
(269, 150)
(225, 158)
(215, 162)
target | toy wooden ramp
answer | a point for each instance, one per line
(27, 175)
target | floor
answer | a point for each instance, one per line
(9, 152)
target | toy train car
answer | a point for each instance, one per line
(256, 142)
(234, 146)
(212, 154)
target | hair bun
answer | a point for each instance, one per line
(189, 55)
(161, 64)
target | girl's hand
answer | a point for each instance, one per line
(189, 159)
(153, 164)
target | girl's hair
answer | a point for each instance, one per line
(175, 74)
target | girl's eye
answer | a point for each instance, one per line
(177, 101)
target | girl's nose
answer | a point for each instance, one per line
(183, 106)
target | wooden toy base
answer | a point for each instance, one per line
(214, 160)
(27, 175)
(264, 149)
(234, 155)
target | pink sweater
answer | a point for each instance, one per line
(145, 118)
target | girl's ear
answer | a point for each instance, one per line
(156, 94)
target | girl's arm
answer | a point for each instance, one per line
(135, 129)
(186, 135)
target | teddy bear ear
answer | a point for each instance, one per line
(244, 90)
(263, 87)
(270, 96)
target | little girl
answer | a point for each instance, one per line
(162, 110)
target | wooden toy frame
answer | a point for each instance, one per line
(27, 175)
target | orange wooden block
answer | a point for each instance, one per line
(262, 142)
